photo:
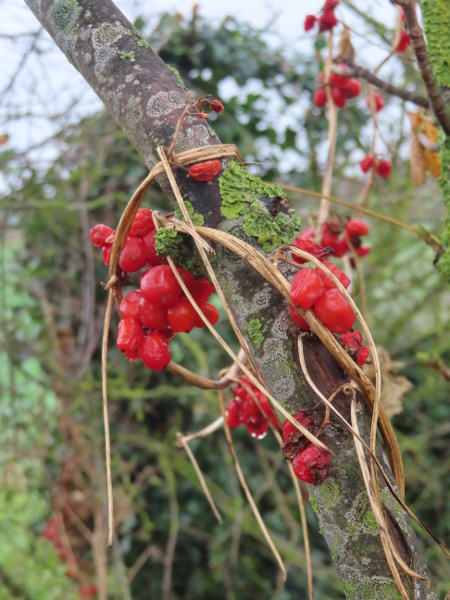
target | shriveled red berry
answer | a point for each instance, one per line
(366, 163)
(133, 256)
(99, 234)
(205, 171)
(216, 106)
(342, 277)
(352, 339)
(182, 316)
(303, 418)
(153, 258)
(129, 307)
(362, 250)
(378, 100)
(298, 319)
(338, 97)
(310, 21)
(311, 247)
(327, 21)
(210, 312)
(233, 414)
(334, 311)
(330, 240)
(356, 228)
(106, 254)
(320, 98)
(384, 168)
(130, 334)
(154, 351)
(160, 287)
(404, 43)
(312, 465)
(142, 223)
(362, 356)
(306, 288)
(151, 316)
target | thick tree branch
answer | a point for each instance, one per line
(420, 49)
(361, 73)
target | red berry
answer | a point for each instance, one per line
(216, 106)
(152, 317)
(338, 97)
(303, 418)
(99, 234)
(310, 21)
(330, 240)
(307, 233)
(379, 102)
(153, 258)
(130, 334)
(298, 319)
(353, 339)
(182, 316)
(132, 355)
(362, 356)
(320, 98)
(259, 430)
(308, 246)
(352, 89)
(211, 313)
(129, 307)
(356, 228)
(334, 311)
(154, 351)
(342, 277)
(327, 21)
(330, 5)
(160, 287)
(133, 256)
(142, 224)
(366, 163)
(167, 333)
(306, 288)
(362, 250)
(233, 414)
(312, 465)
(267, 409)
(404, 43)
(201, 289)
(106, 253)
(339, 80)
(205, 171)
(384, 168)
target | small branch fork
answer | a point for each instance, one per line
(420, 49)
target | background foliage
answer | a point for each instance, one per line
(51, 316)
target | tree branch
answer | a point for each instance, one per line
(420, 49)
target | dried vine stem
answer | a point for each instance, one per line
(420, 50)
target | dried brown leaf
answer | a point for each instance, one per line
(345, 46)
(417, 152)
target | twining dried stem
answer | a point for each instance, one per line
(420, 50)
(247, 492)
(202, 433)
(183, 441)
(199, 381)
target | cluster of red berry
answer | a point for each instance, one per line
(326, 21)
(242, 409)
(382, 166)
(153, 314)
(341, 89)
(310, 464)
(53, 532)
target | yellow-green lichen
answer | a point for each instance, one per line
(330, 494)
(196, 218)
(63, 15)
(436, 16)
(256, 331)
(443, 264)
(371, 589)
(270, 232)
(176, 72)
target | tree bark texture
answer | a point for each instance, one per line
(146, 99)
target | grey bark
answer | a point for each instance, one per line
(146, 99)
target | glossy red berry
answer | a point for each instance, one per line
(308, 246)
(404, 43)
(306, 288)
(327, 21)
(154, 351)
(384, 168)
(99, 234)
(182, 316)
(339, 80)
(210, 312)
(133, 256)
(303, 418)
(258, 430)
(152, 317)
(206, 171)
(160, 287)
(320, 98)
(142, 224)
(352, 89)
(312, 465)
(129, 307)
(106, 254)
(216, 106)
(130, 334)
(342, 277)
(334, 311)
(267, 409)
(298, 319)
(132, 355)
(379, 102)
(201, 289)
(338, 97)
(153, 258)
(366, 163)
(356, 228)
(233, 414)
(310, 21)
